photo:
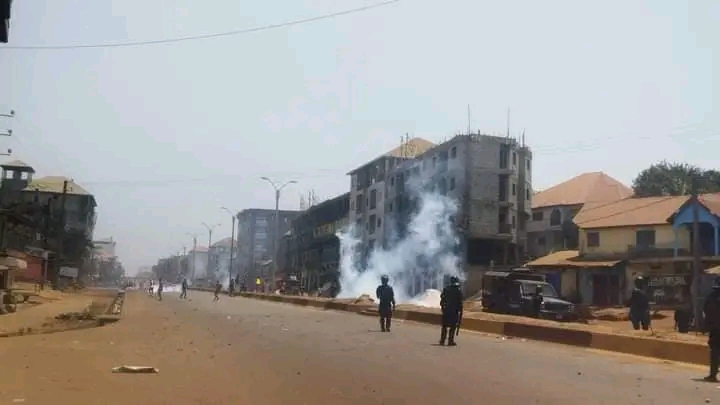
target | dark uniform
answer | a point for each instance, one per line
(218, 288)
(639, 306)
(160, 289)
(386, 297)
(451, 304)
(711, 310)
(537, 301)
(183, 293)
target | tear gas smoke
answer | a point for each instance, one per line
(417, 261)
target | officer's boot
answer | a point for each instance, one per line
(443, 335)
(451, 338)
(382, 324)
(387, 324)
(714, 365)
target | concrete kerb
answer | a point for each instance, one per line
(634, 345)
(114, 311)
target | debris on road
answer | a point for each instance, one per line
(135, 370)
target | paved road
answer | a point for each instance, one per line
(241, 351)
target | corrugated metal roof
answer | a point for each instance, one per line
(569, 258)
(594, 187)
(411, 149)
(629, 212)
(54, 184)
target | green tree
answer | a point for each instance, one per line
(666, 179)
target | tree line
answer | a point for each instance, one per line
(675, 178)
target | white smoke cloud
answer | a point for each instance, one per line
(428, 251)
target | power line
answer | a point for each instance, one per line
(207, 36)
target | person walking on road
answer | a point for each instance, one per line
(451, 304)
(231, 287)
(184, 289)
(160, 289)
(640, 306)
(711, 310)
(386, 297)
(218, 288)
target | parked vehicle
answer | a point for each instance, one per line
(513, 292)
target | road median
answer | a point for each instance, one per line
(654, 347)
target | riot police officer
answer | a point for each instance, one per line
(711, 310)
(639, 305)
(451, 304)
(386, 297)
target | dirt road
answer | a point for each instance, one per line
(241, 351)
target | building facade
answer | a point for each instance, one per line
(551, 227)
(220, 259)
(312, 248)
(488, 176)
(255, 237)
(367, 193)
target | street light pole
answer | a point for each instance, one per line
(194, 252)
(232, 240)
(210, 232)
(276, 235)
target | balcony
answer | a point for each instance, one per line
(654, 251)
(505, 229)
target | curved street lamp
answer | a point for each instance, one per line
(276, 237)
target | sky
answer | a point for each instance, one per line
(165, 134)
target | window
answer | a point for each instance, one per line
(453, 152)
(392, 181)
(593, 239)
(555, 217)
(373, 199)
(514, 159)
(379, 223)
(514, 189)
(452, 183)
(527, 162)
(645, 238)
(359, 203)
(514, 224)
(371, 224)
(541, 241)
(390, 207)
(527, 194)
(537, 216)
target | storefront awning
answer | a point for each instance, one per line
(569, 258)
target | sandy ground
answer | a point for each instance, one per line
(242, 351)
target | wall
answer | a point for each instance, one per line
(540, 231)
(617, 240)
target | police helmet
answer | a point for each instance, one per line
(384, 279)
(639, 281)
(454, 280)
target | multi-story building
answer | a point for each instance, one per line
(47, 204)
(104, 248)
(255, 238)
(551, 227)
(220, 258)
(367, 188)
(489, 177)
(198, 263)
(312, 247)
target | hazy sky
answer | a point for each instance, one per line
(165, 134)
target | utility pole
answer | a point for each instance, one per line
(61, 235)
(276, 232)
(232, 240)
(697, 262)
(194, 252)
(210, 232)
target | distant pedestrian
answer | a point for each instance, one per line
(151, 289)
(184, 289)
(711, 309)
(218, 288)
(640, 306)
(160, 289)
(451, 304)
(386, 297)
(231, 287)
